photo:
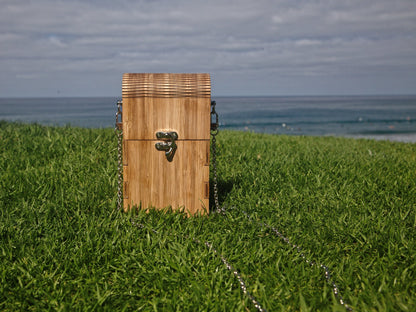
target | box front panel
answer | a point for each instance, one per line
(152, 181)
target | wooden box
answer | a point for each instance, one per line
(165, 114)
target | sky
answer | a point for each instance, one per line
(66, 48)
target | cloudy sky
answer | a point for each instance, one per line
(250, 47)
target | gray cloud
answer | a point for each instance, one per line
(249, 47)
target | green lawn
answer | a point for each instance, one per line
(349, 204)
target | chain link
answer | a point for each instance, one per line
(119, 132)
(237, 275)
(214, 133)
(222, 210)
(227, 264)
(327, 272)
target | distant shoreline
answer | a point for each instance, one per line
(404, 138)
(391, 118)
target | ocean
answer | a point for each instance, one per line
(378, 117)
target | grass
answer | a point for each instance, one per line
(349, 204)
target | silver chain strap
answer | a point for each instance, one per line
(327, 272)
(214, 133)
(223, 259)
(221, 210)
(237, 275)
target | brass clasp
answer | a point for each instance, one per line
(168, 146)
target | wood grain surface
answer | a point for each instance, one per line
(166, 102)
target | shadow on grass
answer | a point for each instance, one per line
(224, 188)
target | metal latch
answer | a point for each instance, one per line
(168, 146)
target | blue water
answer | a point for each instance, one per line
(82, 112)
(347, 116)
(357, 116)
